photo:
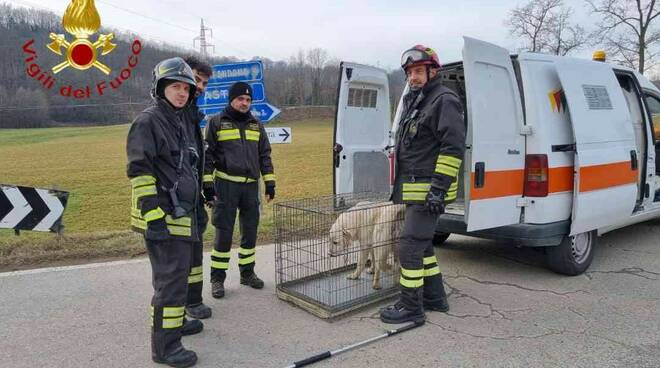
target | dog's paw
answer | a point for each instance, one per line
(370, 271)
(376, 286)
(353, 276)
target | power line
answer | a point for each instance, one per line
(146, 16)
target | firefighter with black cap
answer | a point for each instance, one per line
(163, 167)
(238, 154)
(429, 147)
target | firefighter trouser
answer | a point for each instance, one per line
(231, 197)
(195, 276)
(170, 263)
(420, 274)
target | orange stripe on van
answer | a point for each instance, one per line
(605, 176)
(560, 179)
(499, 184)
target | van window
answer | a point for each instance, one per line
(654, 108)
(362, 97)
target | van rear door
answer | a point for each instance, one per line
(362, 126)
(605, 184)
(495, 147)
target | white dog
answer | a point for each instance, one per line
(386, 234)
(368, 224)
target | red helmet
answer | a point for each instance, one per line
(419, 55)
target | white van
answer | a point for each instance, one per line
(558, 150)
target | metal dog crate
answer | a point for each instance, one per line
(308, 276)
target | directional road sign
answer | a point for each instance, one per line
(265, 111)
(279, 135)
(219, 95)
(237, 72)
(216, 96)
(25, 208)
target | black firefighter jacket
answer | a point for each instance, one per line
(429, 145)
(164, 165)
(238, 151)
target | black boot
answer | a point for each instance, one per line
(217, 289)
(191, 327)
(252, 281)
(166, 348)
(435, 298)
(180, 358)
(407, 309)
(198, 311)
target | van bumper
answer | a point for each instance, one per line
(528, 235)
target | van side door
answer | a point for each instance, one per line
(605, 180)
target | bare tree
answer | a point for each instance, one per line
(627, 31)
(530, 22)
(545, 26)
(316, 58)
(563, 37)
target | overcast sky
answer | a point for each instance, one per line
(365, 31)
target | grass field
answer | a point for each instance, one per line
(90, 163)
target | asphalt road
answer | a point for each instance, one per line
(507, 310)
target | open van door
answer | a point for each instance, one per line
(496, 147)
(362, 126)
(605, 187)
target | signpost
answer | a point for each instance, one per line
(216, 96)
(279, 135)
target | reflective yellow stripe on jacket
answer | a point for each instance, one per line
(252, 135)
(228, 135)
(234, 178)
(415, 191)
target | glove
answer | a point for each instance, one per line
(209, 194)
(435, 201)
(157, 230)
(270, 191)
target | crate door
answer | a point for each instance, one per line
(362, 127)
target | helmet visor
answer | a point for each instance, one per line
(413, 56)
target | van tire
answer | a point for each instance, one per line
(439, 238)
(574, 255)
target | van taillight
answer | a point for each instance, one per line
(536, 176)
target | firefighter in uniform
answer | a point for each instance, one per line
(238, 154)
(430, 143)
(163, 167)
(195, 308)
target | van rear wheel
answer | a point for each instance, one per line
(439, 238)
(574, 255)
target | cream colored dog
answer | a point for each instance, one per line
(376, 227)
(386, 235)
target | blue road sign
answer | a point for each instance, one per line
(265, 111)
(244, 72)
(216, 96)
(219, 95)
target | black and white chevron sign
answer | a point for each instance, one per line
(25, 208)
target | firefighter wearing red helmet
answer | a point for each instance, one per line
(429, 147)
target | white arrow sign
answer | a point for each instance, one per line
(20, 209)
(27, 208)
(279, 135)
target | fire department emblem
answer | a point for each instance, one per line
(81, 20)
